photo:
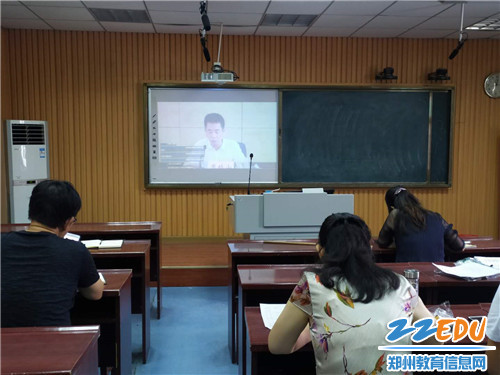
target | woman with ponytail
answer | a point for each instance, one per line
(344, 306)
(420, 235)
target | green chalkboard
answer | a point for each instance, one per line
(366, 136)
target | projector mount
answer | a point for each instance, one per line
(219, 74)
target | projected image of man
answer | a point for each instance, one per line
(220, 152)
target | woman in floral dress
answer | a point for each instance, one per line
(344, 306)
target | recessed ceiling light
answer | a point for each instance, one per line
(487, 24)
(290, 20)
(120, 15)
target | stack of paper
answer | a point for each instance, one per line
(105, 244)
(469, 270)
(490, 262)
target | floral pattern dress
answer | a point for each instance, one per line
(346, 334)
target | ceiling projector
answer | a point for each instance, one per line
(217, 77)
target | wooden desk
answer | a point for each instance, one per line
(260, 252)
(132, 255)
(260, 361)
(112, 313)
(274, 284)
(484, 247)
(50, 350)
(134, 230)
(454, 289)
(303, 251)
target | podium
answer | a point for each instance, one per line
(285, 216)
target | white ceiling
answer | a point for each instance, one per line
(341, 18)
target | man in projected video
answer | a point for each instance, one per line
(220, 152)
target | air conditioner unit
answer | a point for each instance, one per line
(28, 163)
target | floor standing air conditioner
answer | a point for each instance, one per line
(28, 162)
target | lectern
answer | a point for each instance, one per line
(274, 216)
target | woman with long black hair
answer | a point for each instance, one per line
(420, 235)
(344, 306)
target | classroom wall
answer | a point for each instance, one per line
(88, 86)
(5, 111)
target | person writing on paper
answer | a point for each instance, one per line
(344, 306)
(41, 271)
(220, 152)
(420, 235)
(493, 334)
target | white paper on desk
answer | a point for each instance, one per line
(91, 244)
(490, 261)
(111, 244)
(469, 246)
(470, 270)
(270, 313)
(72, 236)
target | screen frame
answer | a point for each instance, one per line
(280, 184)
(147, 127)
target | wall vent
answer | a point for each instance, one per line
(28, 134)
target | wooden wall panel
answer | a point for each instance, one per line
(88, 86)
(6, 105)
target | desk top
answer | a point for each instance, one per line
(129, 247)
(272, 248)
(486, 244)
(270, 276)
(258, 333)
(483, 247)
(285, 276)
(110, 227)
(306, 247)
(115, 280)
(442, 280)
(39, 350)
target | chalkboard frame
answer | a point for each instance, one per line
(327, 185)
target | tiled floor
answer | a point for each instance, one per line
(191, 336)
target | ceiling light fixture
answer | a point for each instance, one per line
(488, 24)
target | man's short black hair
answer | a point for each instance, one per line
(53, 202)
(215, 118)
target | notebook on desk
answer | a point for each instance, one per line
(103, 244)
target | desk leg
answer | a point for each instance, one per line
(242, 337)
(155, 270)
(230, 323)
(233, 315)
(158, 299)
(124, 331)
(252, 359)
(146, 317)
(146, 328)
